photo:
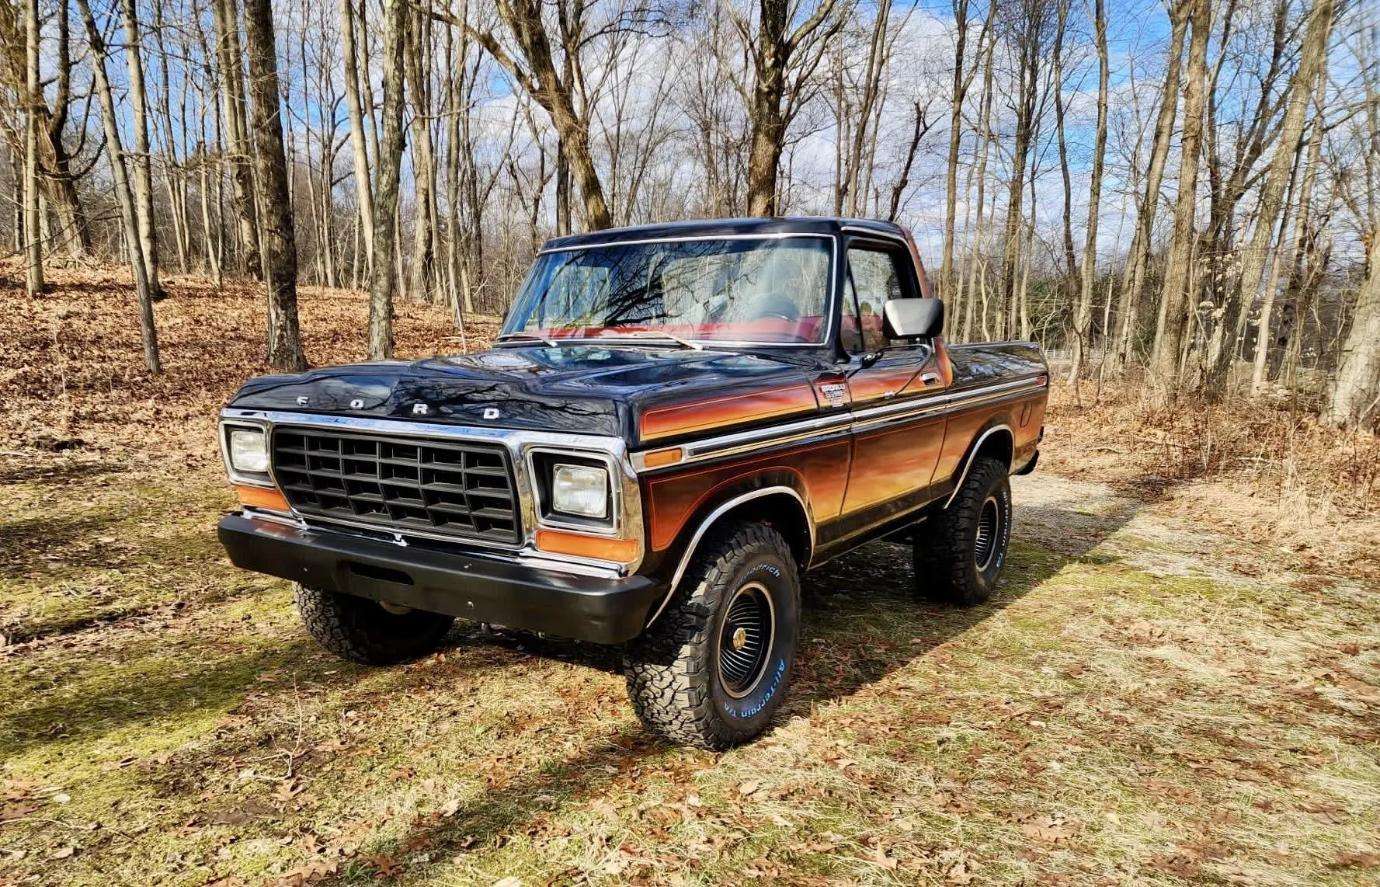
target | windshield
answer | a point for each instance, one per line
(757, 291)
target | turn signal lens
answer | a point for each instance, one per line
(580, 545)
(261, 497)
(658, 458)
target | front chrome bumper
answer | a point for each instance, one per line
(605, 610)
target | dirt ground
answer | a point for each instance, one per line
(1154, 696)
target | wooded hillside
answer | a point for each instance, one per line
(1182, 193)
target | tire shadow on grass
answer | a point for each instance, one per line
(149, 690)
(509, 808)
(866, 615)
(862, 622)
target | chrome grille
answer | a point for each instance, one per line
(398, 483)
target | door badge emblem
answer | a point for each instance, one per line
(835, 392)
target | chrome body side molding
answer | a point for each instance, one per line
(940, 403)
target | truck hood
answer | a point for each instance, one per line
(574, 389)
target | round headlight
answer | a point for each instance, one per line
(580, 490)
(248, 450)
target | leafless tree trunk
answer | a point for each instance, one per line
(535, 73)
(33, 242)
(382, 280)
(1082, 339)
(1026, 31)
(57, 180)
(278, 238)
(143, 157)
(1061, 137)
(976, 260)
(850, 185)
(1312, 61)
(1137, 262)
(783, 59)
(1299, 203)
(123, 192)
(423, 162)
(920, 126)
(235, 126)
(363, 189)
(1169, 344)
(1355, 400)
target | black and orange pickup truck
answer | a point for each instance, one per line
(676, 422)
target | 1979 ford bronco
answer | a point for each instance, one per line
(676, 421)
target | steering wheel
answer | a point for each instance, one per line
(777, 306)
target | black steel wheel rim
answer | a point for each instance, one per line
(988, 529)
(745, 639)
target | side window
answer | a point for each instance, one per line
(874, 278)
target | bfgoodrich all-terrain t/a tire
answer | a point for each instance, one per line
(959, 552)
(713, 668)
(363, 631)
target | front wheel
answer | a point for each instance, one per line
(959, 552)
(712, 670)
(366, 631)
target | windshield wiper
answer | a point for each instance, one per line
(644, 336)
(526, 337)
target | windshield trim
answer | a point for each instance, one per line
(723, 344)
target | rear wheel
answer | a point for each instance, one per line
(366, 631)
(959, 553)
(714, 667)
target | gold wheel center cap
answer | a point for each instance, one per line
(739, 638)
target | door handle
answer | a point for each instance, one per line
(929, 378)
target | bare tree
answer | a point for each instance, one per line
(363, 189)
(1137, 262)
(235, 126)
(535, 72)
(33, 242)
(1312, 58)
(57, 177)
(784, 58)
(278, 239)
(1082, 335)
(962, 81)
(1169, 340)
(124, 193)
(1355, 399)
(143, 152)
(1025, 23)
(382, 281)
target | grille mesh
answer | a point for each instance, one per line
(403, 484)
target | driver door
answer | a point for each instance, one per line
(894, 457)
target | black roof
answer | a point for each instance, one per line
(715, 227)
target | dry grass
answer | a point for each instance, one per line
(1258, 470)
(1150, 698)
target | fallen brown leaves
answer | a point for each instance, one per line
(1046, 739)
(76, 391)
(1269, 474)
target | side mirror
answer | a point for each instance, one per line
(913, 318)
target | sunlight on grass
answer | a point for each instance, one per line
(1096, 720)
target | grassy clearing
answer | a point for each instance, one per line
(76, 551)
(1101, 720)
(1153, 697)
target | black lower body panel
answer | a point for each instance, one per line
(606, 611)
